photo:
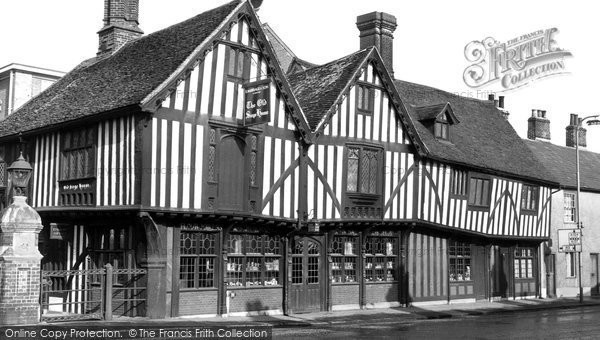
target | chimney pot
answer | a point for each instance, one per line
(377, 30)
(538, 126)
(570, 132)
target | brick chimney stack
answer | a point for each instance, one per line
(538, 125)
(377, 29)
(570, 140)
(120, 26)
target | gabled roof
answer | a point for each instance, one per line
(319, 87)
(121, 80)
(484, 139)
(298, 65)
(560, 162)
(430, 112)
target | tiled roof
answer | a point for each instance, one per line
(283, 53)
(428, 112)
(483, 139)
(560, 161)
(318, 88)
(120, 80)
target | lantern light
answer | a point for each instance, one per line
(19, 173)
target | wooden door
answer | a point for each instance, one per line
(550, 260)
(499, 272)
(231, 173)
(479, 277)
(594, 274)
(305, 290)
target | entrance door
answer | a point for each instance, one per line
(499, 273)
(478, 261)
(231, 173)
(550, 260)
(594, 274)
(305, 291)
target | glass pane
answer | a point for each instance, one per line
(313, 269)
(336, 269)
(186, 272)
(234, 274)
(352, 174)
(253, 271)
(369, 269)
(296, 270)
(350, 269)
(271, 271)
(206, 270)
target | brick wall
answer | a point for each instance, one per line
(381, 292)
(346, 294)
(256, 299)
(197, 302)
(19, 292)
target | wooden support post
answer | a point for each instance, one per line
(108, 284)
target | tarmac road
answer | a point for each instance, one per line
(574, 323)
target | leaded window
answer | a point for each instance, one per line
(236, 61)
(212, 149)
(253, 260)
(197, 256)
(523, 263)
(78, 154)
(344, 255)
(363, 170)
(381, 259)
(459, 256)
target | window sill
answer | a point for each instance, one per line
(478, 207)
(529, 212)
(379, 282)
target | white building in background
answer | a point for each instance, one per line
(19, 83)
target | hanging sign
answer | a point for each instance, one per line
(256, 102)
(59, 231)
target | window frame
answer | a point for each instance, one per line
(572, 207)
(524, 263)
(197, 258)
(459, 189)
(460, 253)
(439, 127)
(529, 203)
(241, 260)
(474, 205)
(67, 149)
(359, 184)
(372, 257)
(361, 87)
(571, 263)
(350, 254)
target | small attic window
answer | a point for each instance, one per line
(441, 130)
(364, 99)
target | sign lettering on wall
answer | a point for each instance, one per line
(256, 102)
(569, 240)
(59, 231)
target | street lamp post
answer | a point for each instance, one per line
(593, 121)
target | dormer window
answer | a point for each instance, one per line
(437, 118)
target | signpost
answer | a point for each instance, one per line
(569, 240)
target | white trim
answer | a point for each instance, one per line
(429, 303)
(456, 301)
(203, 316)
(32, 69)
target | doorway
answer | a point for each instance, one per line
(550, 262)
(499, 272)
(305, 290)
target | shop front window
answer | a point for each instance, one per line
(197, 254)
(344, 254)
(459, 255)
(381, 259)
(253, 260)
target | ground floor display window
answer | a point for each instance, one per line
(344, 255)
(523, 263)
(459, 256)
(253, 260)
(197, 255)
(381, 258)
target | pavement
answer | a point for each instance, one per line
(400, 314)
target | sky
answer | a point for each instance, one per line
(429, 42)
